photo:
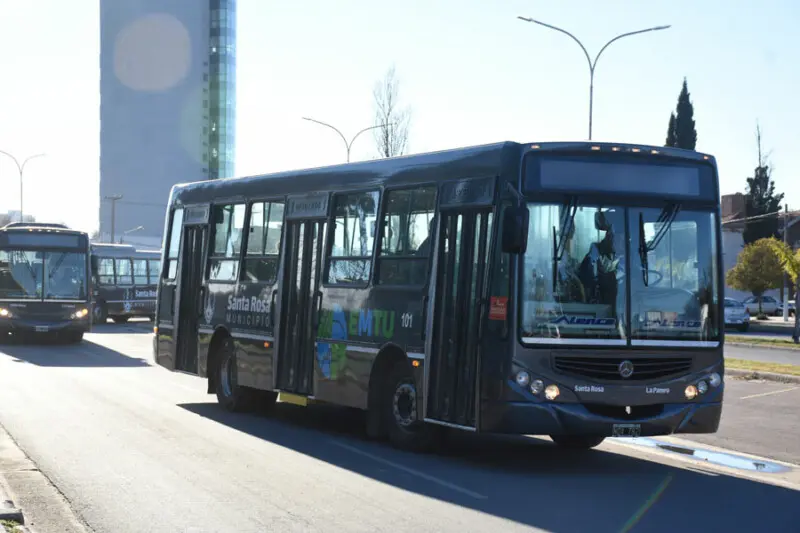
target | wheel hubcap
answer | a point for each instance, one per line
(404, 404)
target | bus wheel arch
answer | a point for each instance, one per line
(388, 356)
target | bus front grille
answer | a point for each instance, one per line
(610, 368)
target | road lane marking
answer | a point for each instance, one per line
(637, 516)
(768, 393)
(411, 471)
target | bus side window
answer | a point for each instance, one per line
(105, 270)
(228, 231)
(405, 239)
(350, 258)
(124, 272)
(263, 242)
(173, 246)
(154, 270)
(140, 271)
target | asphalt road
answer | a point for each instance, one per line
(135, 448)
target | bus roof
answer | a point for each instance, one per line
(41, 229)
(473, 161)
(122, 250)
(35, 225)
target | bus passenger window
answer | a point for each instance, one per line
(154, 270)
(353, 237)
(140, 272)
(264, 242)
(105, 271)
(174, 243)
(228, 227)
(124, 272)
(405, 244)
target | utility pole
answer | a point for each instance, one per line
(786, 295)
(113, 199)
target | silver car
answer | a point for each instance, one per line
(736, 315)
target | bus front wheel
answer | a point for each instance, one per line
(577, 442)
(232, 396)
(405, 430)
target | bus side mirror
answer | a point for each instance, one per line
(515, 230)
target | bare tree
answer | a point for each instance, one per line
(391, 137)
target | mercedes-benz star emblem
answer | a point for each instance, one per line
(625, 369)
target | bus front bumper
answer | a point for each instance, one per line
(526, 418)
(26, 326)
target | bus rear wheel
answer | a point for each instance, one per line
(406, 431)
(577, 442)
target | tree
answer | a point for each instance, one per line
(681, 132)
(758, 269)
(761, 200)
(391, 137)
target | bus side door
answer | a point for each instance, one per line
(458, 300)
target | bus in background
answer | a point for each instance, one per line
(124, 281)
(44, 281)
(573, 290)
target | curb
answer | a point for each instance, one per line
(9, 511)
(769, 376)
(763, 346)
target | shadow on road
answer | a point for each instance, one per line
(50, 353)
(530, 481)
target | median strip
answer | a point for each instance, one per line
(744, 369)
(778, 342)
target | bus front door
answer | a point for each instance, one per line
(189, 298)
(454, 358)
(300, 304)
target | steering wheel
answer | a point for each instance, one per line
(659, 276)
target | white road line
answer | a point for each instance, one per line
(411, 471)
(768, 393)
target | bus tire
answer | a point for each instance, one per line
(406, 432)
(100, 313)
(74, 337)
(230, 395)
(577, 442)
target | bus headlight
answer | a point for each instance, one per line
(551, 392)
(690, 392)
(5, 313)
(523, 378)
(81, 313)
(537, 386)
(715, 380)
(702, 387)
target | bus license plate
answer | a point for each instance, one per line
(41, 329)
(626, 430)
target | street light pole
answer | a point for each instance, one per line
(347, 145)
(21, 169)
(113, 198)
(592, 64)
(132, 230)
(786, 295)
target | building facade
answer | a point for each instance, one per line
(167, 107)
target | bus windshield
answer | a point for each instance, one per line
(575, 277)
(35, 275)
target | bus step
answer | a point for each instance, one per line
(294, 399)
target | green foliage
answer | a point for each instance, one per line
(758, 269)
(681, 132)
(761, 200)
(789, 259)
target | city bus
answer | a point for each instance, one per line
(570, 290)
(124, 280)
(44, 282)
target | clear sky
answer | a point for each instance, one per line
(470, 70)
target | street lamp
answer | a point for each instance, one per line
(113, 199)
(21, 169)
(132, 230)
(347, 145)
(592, 64)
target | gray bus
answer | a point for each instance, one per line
(44, 281)
(125, 281)
(572, 290)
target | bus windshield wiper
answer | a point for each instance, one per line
(665, 218)
(566, 221)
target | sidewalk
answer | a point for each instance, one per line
(773, 324)
(10, 516)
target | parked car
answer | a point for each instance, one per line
(791, 308)
(736, 315)
(769, 305)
